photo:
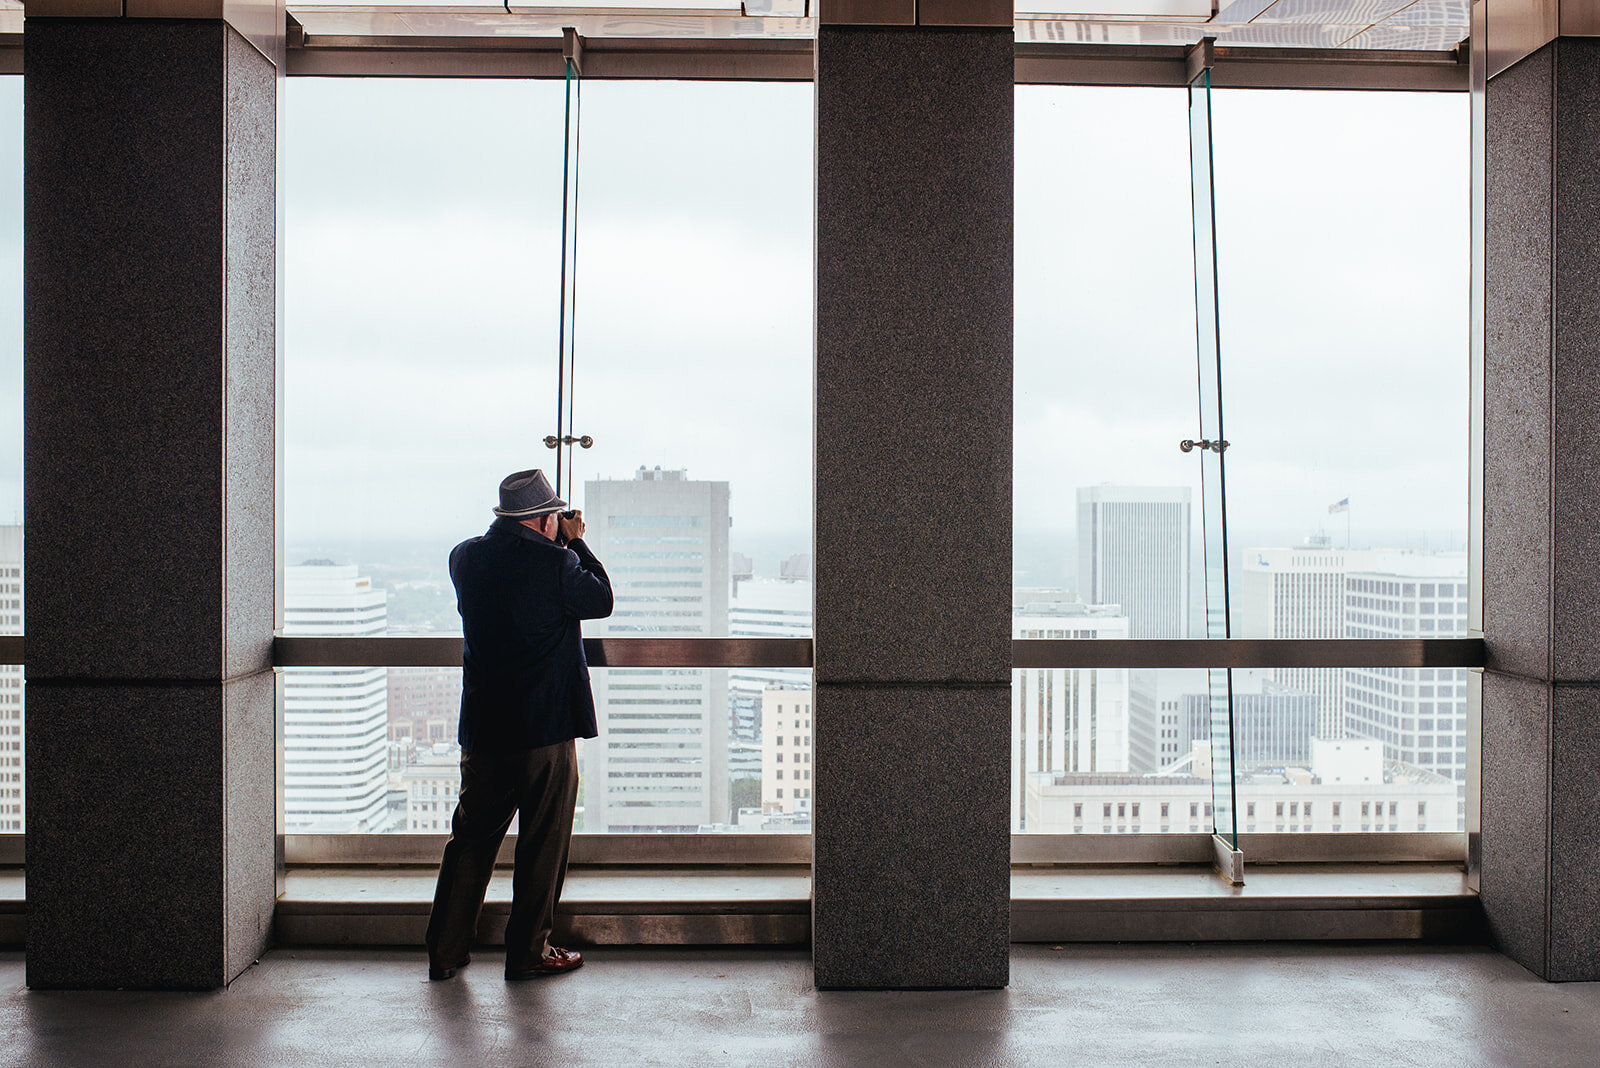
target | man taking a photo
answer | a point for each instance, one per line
(522, 589)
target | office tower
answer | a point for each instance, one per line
(13, 778)
(335, 720)
(1272, 727)
(1419, 714)
(1299, 593)
(1156, 737)
(660, 762)
(765, 608)
(1134, 551)
(1066, 719)
(786, 750)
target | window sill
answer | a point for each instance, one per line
(771, 904)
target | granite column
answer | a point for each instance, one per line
(1539, 872)
(150, 313)
(913, 494)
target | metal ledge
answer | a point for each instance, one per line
(291, 651)
(391, 850)
(1249, 653)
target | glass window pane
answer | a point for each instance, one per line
(373, 750)
(423, 300)
(1343, 255)
(1106, 506)
(694, 354)
(422, 267)
(12, 783)
(423, 306)
(1059, 769)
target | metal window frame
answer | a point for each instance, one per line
(790, 60)
(1026, 653)
(756, 59)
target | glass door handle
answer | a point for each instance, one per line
(551, 441)
(1189, 446)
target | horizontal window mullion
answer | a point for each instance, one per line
(1248, 653)
(294, 651)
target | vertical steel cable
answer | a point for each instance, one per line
(572, 348)
(561, 329)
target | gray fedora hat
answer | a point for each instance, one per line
(527, 494)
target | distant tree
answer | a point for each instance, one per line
(744, 793)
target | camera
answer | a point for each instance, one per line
(561, 539)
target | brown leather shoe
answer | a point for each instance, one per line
(436, 972)
(558, 962)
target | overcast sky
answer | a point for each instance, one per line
(423, 264)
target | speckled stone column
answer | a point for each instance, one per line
(1540, 843)
(150, 225)
(913, 506)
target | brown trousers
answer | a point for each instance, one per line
(539, 785)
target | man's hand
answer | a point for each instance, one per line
(572, 528)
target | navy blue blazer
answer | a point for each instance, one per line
(525, 681)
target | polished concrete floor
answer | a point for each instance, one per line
(1241, 1004)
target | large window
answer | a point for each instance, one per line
(424, 289)
(1342, 263)
(12, 787)
(1342, 257)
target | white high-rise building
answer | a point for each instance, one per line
(13, 780)
(1066, 719)
(335, 720)
(786, 750)
(1299, 593)
(765, 608)
(1134, 550)
(660, 762)
(1419, 714)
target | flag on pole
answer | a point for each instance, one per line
(1342, 506)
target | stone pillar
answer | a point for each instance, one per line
(913, 495)
(150, 313)
(1540, 816)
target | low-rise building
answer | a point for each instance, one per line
(1348, 787)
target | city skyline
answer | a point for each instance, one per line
(1075, 729)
